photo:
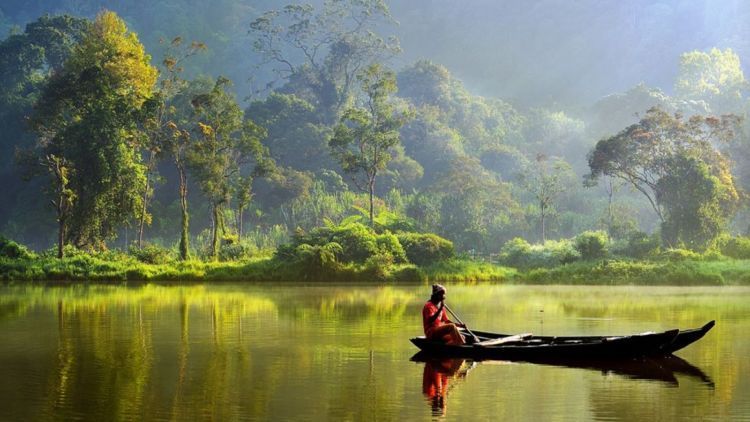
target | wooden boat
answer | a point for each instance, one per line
(534, 348)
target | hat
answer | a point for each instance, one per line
(437, 288)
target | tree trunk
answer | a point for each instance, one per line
(61, 238)
(544, 237)
(371, 187)
(240, 211)
(215, 231)
(142, 221)
(185, 233)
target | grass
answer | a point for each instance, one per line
(122, 268)
(630, 272)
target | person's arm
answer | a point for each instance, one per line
(434, 316)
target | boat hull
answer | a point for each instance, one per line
(546, 348)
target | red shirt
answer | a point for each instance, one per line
(428, 311)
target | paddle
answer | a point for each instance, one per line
(474, 337)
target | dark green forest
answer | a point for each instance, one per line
(379, 140)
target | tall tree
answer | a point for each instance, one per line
(168, 130)
(546, 178)
(363, 139)
(715, 77)
(319, 53)
(697, 203)
(88, 117)
(648, 154)
(27, 60)
(222, 150)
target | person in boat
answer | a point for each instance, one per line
(437, 326)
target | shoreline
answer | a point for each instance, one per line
(621, 272)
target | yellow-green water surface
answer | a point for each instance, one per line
(335, 352)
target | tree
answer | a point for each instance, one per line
(27, 60)
(363, 139)
(648, 155)
(88, 118)
(319, 53)
(475, 207)
(223, 146)
(546, 179)
(162, 134)
(697, 204)
(715, 77)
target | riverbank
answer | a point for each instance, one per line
(98, 269)
(603, 272)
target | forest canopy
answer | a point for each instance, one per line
(223, 131)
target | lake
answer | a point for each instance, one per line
(338, 352)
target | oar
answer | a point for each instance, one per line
(474, 337)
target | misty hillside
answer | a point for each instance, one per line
(505, 120)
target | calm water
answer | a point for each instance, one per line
(332, 352)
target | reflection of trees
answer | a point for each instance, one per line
(335, 352)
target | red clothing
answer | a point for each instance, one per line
(428, 311)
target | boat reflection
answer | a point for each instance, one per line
(662, 369)
(438, 377)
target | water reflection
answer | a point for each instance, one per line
(662, 369)
(438, 377)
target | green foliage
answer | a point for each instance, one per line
(676, 166)
(609, 272)
(87, 119)
(638, 245)
(697, 204)
(518, 253)
(545, 179)
(220, 154)
(237, 251)
(592, 244)
(735, 247)
(13, 250)
(715, 77)
(151, 254)
(426, 248)
(679, 254)
(364, 137)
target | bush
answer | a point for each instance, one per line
(315, 260)
(11, 249)
(677, 255)
(389, 244)
(425, 248)
(151, 254)
(735, 247)
(592, 244)
(639, 245)
(519, 253)
(358, 243)
(236, 251)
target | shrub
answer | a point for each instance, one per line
(317, 260)
(151, 254)
(735, 247)
(639, 245)
(11, 249)
(678, 254)
(379, 266)
(357, 242)
(592, 244)
(519, 253)
(388, 244)
(425, 248)
(236, 251)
